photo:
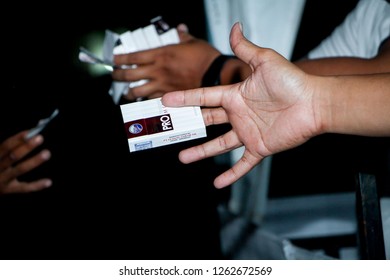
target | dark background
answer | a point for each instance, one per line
(40, 42)
(100, 187)
(47, 37)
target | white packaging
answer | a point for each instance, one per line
(150, 124)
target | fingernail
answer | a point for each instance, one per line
(47, 183)
(45, 154)
(240, 25)
(182, 27)
(38, 139)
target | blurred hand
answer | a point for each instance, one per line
(13, 163)
(168, 68)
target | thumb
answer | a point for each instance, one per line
(183, 32)
(182, 28)
(242, 47)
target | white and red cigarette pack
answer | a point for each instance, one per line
(150, 124)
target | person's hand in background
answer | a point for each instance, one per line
(168, 68)
(14, 162)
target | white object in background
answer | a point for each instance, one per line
(41, 125)
(360, 34)
(154, 35)
(385, 213)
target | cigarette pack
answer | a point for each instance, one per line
(149, 124)
(158, 33)
(152, 36)
(140, 40)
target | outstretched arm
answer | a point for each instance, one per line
(279, 107)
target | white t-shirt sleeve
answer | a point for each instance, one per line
(360, 34)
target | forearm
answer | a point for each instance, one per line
(355, 104)
(348, 65)
(343, 66)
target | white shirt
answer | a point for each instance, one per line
(267, 23)
(360, 34)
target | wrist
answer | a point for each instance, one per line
(325, 105)
(213, 75)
